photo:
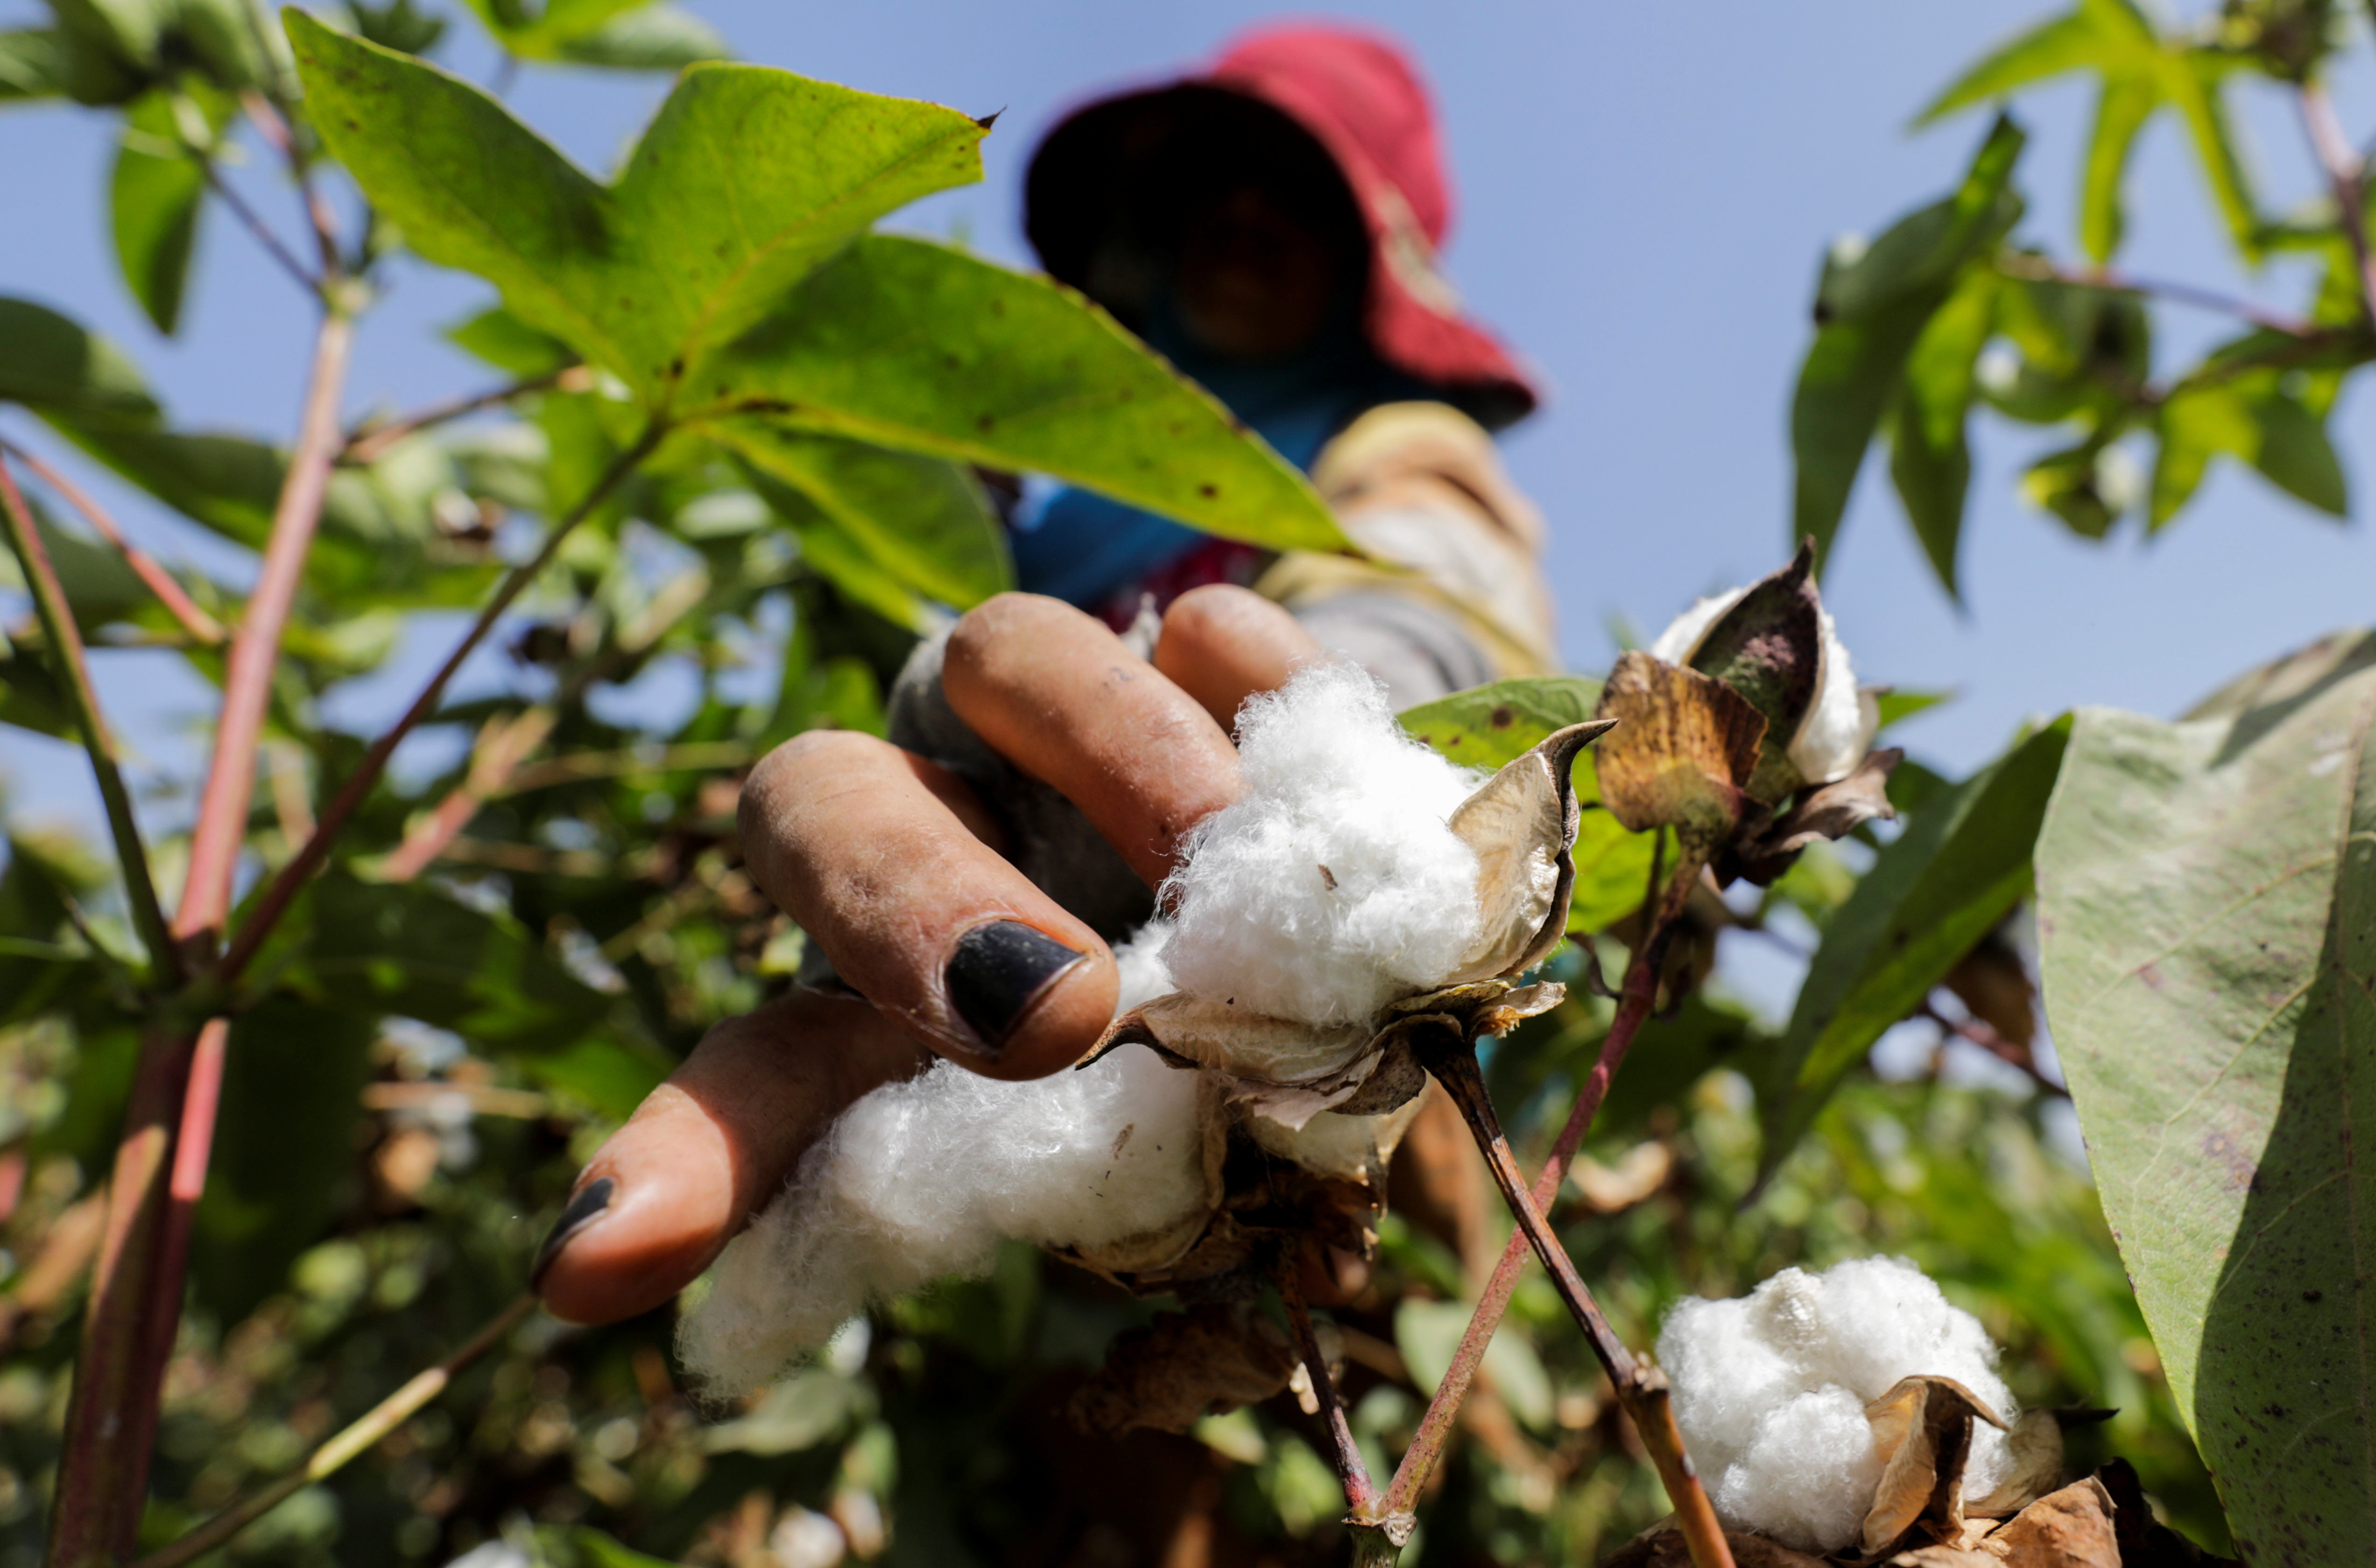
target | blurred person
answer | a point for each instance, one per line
(1271, 225)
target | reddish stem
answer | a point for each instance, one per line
(1360, 1492)
(195, 621)
(247, 681)
(2344, 169)
(136, 1303)
(1641, 1390)
(274, 901)
(110, 1416)
(1637, 996)
(372, 442)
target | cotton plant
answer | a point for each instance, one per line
(1856, 1417)
(1361, 891)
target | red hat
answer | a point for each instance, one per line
(1359, 98)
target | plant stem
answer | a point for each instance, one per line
(383, 1418)
(275, 899)
(1360, 1493)
(504, 744)
(1980, 1034)
(111, 1415)
(65, 638)
(1641, 1390)
(2344, 172)
(370, 444)
(2039, 269)
(253, 222)
(222, 828)
(137, 1299)
(1638, 994)
(195, 621)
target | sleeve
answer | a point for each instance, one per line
(1445, 536)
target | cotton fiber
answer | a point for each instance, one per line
(1333, 884)
(1837, 731)
(1770, 1392)
(921, 1180)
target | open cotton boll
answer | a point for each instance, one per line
(1333, 884)
(921, 1180)
(1837, 729)
(1763, 1387)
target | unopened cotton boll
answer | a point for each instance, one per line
(1770, 1392)
(1837, 729)
(1333, 884)
(922, 1180)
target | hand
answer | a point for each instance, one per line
(891, 864)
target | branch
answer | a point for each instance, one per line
(254, 224)
(275, 899)
(383, 1418)
(1980, 1034)
(195, 621)
(267, 117)
(1642, 1390)
(1359, 1490)
(503, 745)
(1636, 996)
(370, 442)
(2037, 268)
(136, 1299)
(74, 673)
(2344, 173)
(222, 828)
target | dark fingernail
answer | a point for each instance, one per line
(996, 970)
(584, 1206)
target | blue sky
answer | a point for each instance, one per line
(1644, 192)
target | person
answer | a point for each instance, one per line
(1270, 224)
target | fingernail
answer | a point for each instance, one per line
(996, 970)
(584, 1206)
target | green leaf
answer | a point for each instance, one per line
(284, 1148)
(1872, 309)
(2065, 44)
(510, 344)
(2252, 420)
(922, 520)
(100, 587)
(2190, 79)
(1896, 707)
(2128, 98)
(34, 63)
(379, 948)
(1930, 459)
(1489, 725)
(154, 199)
(653, 38)
(910, 345)
(747, 180)
(1960, 867)
(2207, 921)
(2294, 454)
(53, 366)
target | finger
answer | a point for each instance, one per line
(1058, 696)
(1223, 644)
(658, 1200)
(919, 914)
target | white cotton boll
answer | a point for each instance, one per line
(1681, 638)
(1837, 730)
(1760, 1383)
(1139, 965)
(1809, 1471)
(1333, 884)
(921, 1180)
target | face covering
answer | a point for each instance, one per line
(1084, 547)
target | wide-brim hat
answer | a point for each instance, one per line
(1359, 98)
